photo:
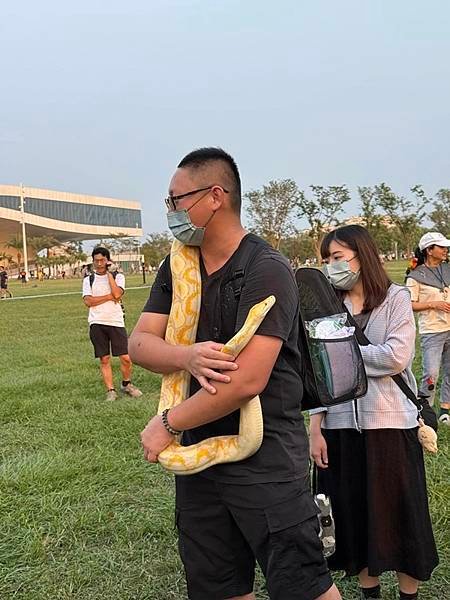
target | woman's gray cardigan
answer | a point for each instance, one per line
(391, 330)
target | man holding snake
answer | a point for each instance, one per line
(260, 508)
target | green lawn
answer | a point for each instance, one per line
(82, 516)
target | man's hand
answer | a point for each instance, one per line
(116, 291)
(155, 438)
(204, 360)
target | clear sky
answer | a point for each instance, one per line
(105, 96)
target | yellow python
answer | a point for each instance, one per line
(182, 330)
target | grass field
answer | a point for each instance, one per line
(82, 516)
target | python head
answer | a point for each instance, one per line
(262, 308)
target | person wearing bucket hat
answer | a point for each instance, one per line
(429, 285)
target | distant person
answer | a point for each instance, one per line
(23, 276)
(102, 293)
(63, 274)
(3, 281)
(429, 284)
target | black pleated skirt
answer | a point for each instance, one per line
(376, 481)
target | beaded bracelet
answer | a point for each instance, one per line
(165, 422)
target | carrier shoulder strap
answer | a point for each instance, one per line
(364, 341)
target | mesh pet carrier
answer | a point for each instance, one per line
(332, 367)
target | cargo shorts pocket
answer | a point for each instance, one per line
(296, 567)
(284, 520)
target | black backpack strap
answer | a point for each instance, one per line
(364, 341)
(92, 277)
(253, 246)
(233, 282)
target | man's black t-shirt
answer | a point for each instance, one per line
(283, 455)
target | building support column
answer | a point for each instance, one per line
(24, 232)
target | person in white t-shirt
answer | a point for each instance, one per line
(102, 293)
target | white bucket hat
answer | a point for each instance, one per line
(431, 238)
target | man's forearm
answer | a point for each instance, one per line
(97, 300)
(203, 407)
(315, 422)
(418, 306)
(153, 353)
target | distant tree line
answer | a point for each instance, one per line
(71, 252)
(274, 212)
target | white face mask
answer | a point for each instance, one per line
(340, 274)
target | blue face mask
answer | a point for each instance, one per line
(340, 275)
(183, 229)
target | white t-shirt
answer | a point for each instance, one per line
(431, 320)
(108, 313)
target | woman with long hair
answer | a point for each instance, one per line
(429, 284)
(369, 459)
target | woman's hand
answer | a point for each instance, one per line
(318, 449)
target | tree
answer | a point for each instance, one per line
(156, 248)
(321, 211)
(4, 256)
(120, 243)
(74, 254)
(402, 212)
(297, 248)
(440, 216)
(369, 209)
(380, 227)
(272, 210)
(17, 244)
(42, 242)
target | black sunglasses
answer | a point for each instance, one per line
(172, 201)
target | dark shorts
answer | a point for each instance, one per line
(108, 339)
(224, 528)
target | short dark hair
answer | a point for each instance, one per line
(197, 159)
(101, 250)
(373, 276)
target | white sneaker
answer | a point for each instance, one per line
(445, 419)
(111, 395)
(131, 390)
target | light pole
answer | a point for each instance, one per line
(142, 265)
(24, 232)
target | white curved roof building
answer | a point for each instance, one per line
(65, 216)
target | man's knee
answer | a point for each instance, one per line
(105, 360)
(125, 359)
